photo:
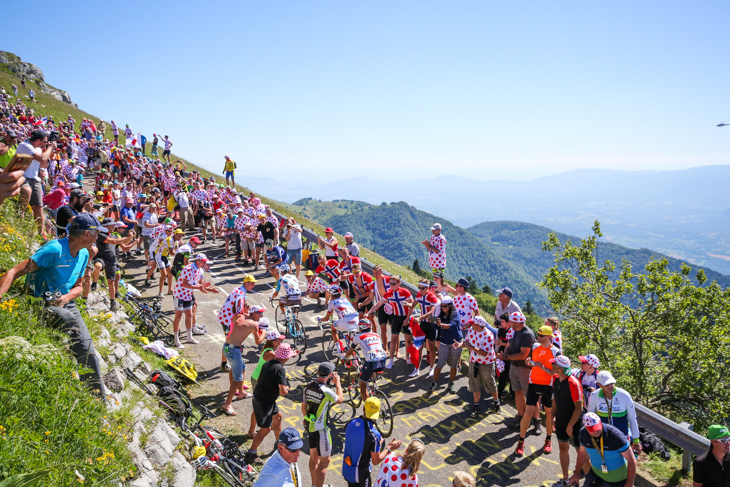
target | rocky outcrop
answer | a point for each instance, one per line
(31, 72)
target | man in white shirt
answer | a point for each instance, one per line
(32, 191)
(293, 235)
(187, 220)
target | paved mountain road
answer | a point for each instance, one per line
(454, 441)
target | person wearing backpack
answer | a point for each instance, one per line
(364, 446)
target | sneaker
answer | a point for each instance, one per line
(496, 407)
(389, 364)
(430, 372)
(547, 447)
(414, 373)
(94, 285)
(199, 331)
(520, 450)
(160, 295)
(432, 387)
(251, 458)
(538, 426)
(451, 389)
(561, 483)
(225, 367)
(474, 412)
(114, 306)
(147, 283)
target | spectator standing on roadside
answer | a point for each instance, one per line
(191, 279)
(505, 304)
(465, 304)
(450, 338)
(612, 461)
(567, 411)
(115, 132)
(293, 236)
(329, 244)
(518, 349)
(241, 327)
(587, 375)
(436, 246)
(168, 147)
(32, 190)
(615, 406)
(712, 469)
(352, 247)
(480, 343)
(557, 339)
(155, 142)
(187, 220)
(398, 300)
(229, 169)
(282, 470)
(539, 389)
(271, 384)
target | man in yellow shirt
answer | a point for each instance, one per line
(228, 170)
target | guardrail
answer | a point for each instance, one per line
(680, 435)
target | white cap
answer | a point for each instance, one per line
(605, 378)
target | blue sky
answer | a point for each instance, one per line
(492, 90)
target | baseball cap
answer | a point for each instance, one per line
(518, 317)
(239, 210)
(274, 335)
(329, 230)
(605, 378)
(11, 133)
(463, 283)
(249, 278)
(256, 308)
(447, 300)
(325, 369)
(478, 320)
(284, 352)
(561, 360)
(84, 221)
(61, 184)
(201, 257)
(506, 291)
(309, 273)
(79, 193)
(108, 221)
(592, 422)
(717, 431)
(291, 439)
(591, 360)
(436, 226)
(349, 235)
(372, 408)
(179, 230)
(195, 240)
(545, 330)
(269, 242)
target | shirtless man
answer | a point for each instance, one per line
(243, 326)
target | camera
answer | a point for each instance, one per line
(53, 136)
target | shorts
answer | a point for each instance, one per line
(484, 378)
(264, 413)
(229, 174)
(233, 354)
(295, 300)
(181, 305)
(383, 317)
(259, 245)
(593, 480)
(396, 323)
(369, 368)
(431, 330)
(365, 308)
(448, 354)
(519, 377)
(247, 245)
(162, 261)
(165, 152)
(146, 241)
(322, 441)
(36, 191)
(560, 425)
(295, 256)
(539, 391)
(109, 266)
(348, 323)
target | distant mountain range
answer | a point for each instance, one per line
(500, 253)
(683, 214)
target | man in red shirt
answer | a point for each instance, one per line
(55, 199)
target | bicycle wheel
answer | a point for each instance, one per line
(300, 337)
(385, 420)
(352, 384)
(227, 477)
(280, 319)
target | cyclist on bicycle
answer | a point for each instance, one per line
(372, 351)
(290, 284)
(315, 405)
(347, 316)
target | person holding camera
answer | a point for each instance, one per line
(58, 267)
(40, 147)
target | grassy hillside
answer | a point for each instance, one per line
(522, 242)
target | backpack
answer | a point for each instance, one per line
(312, 261)
(163, 379)
(177, 401)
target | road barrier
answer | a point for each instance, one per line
(680, 435)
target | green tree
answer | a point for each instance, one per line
(664, 334)
(417, 267)
(473, 286)
(529, 309)
(486, 289)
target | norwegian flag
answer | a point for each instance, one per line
(397, 299)
(41, 122)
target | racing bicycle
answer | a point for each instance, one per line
(147, 315)
(292, 326)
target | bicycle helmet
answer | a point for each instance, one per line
(284, 269)
(201, 463)
(199, 451)
(335, 291)
(365, 324)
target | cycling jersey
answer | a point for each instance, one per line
(276, 253)
(166, 246)
(319, 398)
(361, 439)
(542, 355)
(371, 345)
(290, 284)
(618, 411)
(342, 307)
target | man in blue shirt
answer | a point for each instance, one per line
(58, 267)
(282, 470)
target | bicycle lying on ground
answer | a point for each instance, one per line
(147, 315)
(292, 326)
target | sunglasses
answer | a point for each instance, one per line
(724, 440)
(291, 451)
